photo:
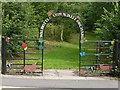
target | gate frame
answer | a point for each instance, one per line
(3, 56)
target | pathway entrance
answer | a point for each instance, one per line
(60, 73)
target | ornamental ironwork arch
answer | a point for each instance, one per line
(52, 15)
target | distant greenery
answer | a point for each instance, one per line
(93, 12)
(21, 16)
(108, 26)
(24, 19)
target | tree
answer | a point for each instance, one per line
(108, 27)
(0, 22)
(67, 25)
(17, 19)
(22, 19)
(93, 12)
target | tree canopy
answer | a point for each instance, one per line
(108, 26)
(24, 19)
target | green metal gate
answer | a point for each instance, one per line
(98, 57)
(21, 56)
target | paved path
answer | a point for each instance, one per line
(58, 79)
(59, 74)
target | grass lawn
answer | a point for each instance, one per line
(61, 55)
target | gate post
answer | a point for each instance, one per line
(115, 55)
(3, 56)
(118, 59)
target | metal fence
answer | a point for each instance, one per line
(98, 57)
(119, 61)
(20, 55)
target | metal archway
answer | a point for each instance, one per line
(53, 15)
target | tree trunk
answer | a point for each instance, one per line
(61, 34)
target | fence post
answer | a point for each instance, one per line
(80, 47)
(3, 51)
(115, 55)
(118, 59)
(24, 57)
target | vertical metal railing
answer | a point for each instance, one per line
(115, 56)
(79, 53)
(119, 60)
(3, 52)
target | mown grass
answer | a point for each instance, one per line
(61, 55)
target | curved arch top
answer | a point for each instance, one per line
(52, 15)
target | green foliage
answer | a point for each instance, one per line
(108, 27)
(23, 19)
(14, 46)
(16, 18)
(0, 18)
(92, 13)
(68, 26)
(52, 32)
(40, 11)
